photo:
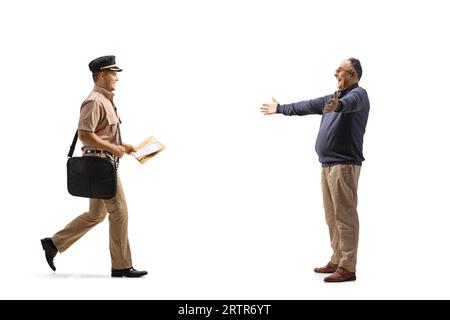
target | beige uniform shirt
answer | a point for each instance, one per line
(97, 115)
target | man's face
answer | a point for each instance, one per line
(345, 75)
(110, 79)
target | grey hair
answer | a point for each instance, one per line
(356, 66)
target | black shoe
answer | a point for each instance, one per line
(50, 251)
(130, 273)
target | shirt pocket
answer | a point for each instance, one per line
(112, 118)
(111, 129)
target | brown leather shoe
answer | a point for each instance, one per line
(329, 268)
(341, 275)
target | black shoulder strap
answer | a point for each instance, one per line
(118, 126)
(74, 142)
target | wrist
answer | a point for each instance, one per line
(112, 147)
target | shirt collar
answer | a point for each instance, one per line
(104, 92)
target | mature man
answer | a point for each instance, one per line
(339, 145)
(99, 132)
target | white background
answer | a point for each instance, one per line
(232, 209)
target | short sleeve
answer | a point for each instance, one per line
(90, 115)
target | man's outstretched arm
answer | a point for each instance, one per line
(314, 106)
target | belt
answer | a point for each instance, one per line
(106, 153)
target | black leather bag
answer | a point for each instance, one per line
(90, 176)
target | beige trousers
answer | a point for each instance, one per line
(340, 199)
(118, 228)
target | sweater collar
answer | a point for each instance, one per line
(347, 90)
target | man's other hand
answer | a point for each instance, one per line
(269, 108)
(333, 104)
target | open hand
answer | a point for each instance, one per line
(269, 108)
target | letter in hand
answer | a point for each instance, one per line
(147, 149)
(269, 108)
(333, 104)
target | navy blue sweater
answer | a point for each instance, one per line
(341, 133)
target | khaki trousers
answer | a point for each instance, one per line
(118, 228)
(340, 199)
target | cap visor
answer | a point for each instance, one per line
(112, 67)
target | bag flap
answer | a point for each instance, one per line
(94, 167)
